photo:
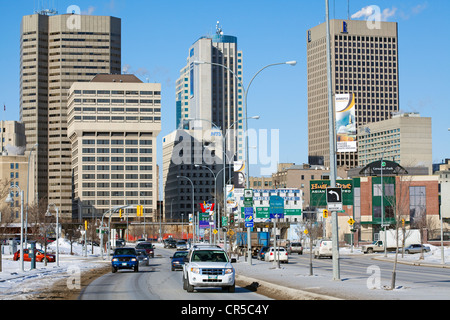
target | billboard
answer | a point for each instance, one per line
(345, 123)
(239, 175)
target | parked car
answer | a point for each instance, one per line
(416, 248)
(323, 248)
(181, 245)
(281, 253)
(125, 258)
(143, 257)
(148, 247)
(295, 247)
(177, 261)
(39, 255)
(261, 253)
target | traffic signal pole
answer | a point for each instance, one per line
(332, 138)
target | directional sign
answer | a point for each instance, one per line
(351, 221)
(334, 199)
(249, 223)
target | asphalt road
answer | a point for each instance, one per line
(156, 282)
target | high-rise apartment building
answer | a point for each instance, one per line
(113, 124)
(364, 63)
(55, 52)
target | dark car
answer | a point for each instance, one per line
(148, 247)
(143, 257)
(262, 252)
(177, 261)
(170, 243)
(125, 258)
(416, 248)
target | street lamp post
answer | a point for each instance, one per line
(9, 199)
(28, 180)
(110, 212)
(193, 210)
(247, 166)
(57, 230)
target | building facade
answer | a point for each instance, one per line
(55, 52)
(405, 139)
(364, 63)
(113, 125)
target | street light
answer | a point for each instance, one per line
(28, 180)
(193, 211)
(57, 230)
(10, 200)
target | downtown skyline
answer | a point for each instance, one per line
(267, 33)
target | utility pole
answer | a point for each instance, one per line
(335, 229)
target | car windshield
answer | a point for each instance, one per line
(125, 252)
(145, 245)
(209, 256)
(180, 254)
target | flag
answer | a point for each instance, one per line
(4, 107)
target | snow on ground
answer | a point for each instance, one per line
(18, 285)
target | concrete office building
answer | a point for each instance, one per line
(364, 63)
(405, 139)
(55, 52)
(12, 137)
(113, 124)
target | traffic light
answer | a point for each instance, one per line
(85, 224)
(325, 213)
(120, 213)
(140, 211)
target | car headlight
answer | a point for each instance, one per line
(229, 270)
(115, 259)
(176, 262)
(195, 270)
(133, 259)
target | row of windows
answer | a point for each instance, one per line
(117, 159)
(117, 92)
(117, 150)
(116, 168)
(117, 185)
(118, 142)
(117, 176)
(117, 101)
(106, 118)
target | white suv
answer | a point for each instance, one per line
(208, 266)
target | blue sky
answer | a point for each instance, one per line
(268, 32)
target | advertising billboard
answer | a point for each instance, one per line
(345, 123)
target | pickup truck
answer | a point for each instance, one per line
(208, 266)
(125, 258)
(376, 246)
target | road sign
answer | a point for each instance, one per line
(276, 207)
(351, 221)
(334, 198)
(248, 197)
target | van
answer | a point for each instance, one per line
(323, 248)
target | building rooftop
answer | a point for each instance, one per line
(124, 78)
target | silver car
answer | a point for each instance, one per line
(182, 245)
(417, 248)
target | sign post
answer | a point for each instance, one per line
(276, 211)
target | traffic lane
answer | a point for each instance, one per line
(362, 266)
(156, 282)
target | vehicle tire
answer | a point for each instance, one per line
(370, 250)
(136, 268)
(114, 270)
(232, 288)
(184, 283)
(189, 287)
(407, 251)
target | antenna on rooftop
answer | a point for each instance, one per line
(46, 7)
(219, 30)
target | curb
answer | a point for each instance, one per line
(284, 293)
(415, 263)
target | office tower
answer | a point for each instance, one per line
(364, 63)
(113, 124)
(55, 52)
(209, 95)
